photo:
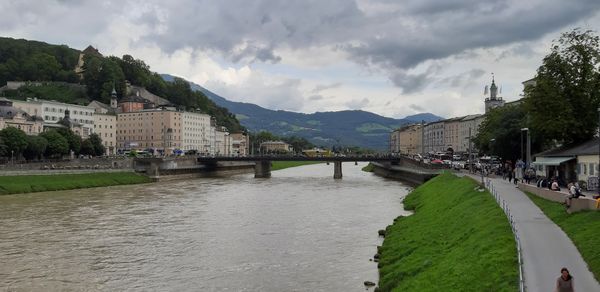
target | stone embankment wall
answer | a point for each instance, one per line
(407, 173)
(68, 166)
(161, 169)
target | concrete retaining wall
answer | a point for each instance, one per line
(409, 175)
(70, 165)
(581, 203)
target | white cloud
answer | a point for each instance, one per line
(382, 56)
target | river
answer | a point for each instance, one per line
(300, 230)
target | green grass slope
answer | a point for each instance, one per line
(582, 227)
(458, 240)
(43, 183)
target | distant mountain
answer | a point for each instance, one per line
(350, 127)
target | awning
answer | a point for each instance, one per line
(552, 160)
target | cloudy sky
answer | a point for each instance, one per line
(391, 57)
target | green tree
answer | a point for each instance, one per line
(36, 147)
(96, 143)
(87, 148)
(3, 148)
(500, 133)
(57, 144)
(564, 100)
(15, 141)
(73, 140)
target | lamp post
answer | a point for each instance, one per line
(12, 159)
(598, 184)
(527, 148)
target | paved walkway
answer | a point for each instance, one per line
(545, 247)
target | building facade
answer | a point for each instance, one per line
(451, 133)
(433, 135)
(195, 132)
(53, 112)
(274, 146)
(222, 142)
(105, 125)
(407, 140)
(467, 129)
(156, 129)
(240, 144)
(14, 117)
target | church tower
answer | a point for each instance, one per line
(493, 100)
(113, 99)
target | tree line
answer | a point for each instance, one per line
(559, 109)
(14, 143)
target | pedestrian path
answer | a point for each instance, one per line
(545, 247)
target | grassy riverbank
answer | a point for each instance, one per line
(368, 168)
(42, 183)
(582, 227)
(458, 240)
(277, 165)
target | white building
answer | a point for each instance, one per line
(223, 142)
(53, 111)
(468, 123)
(434, 137)
(196, 132)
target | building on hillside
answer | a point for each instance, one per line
(195, 132)
(451, 133)
(433, 135)
(14, 117)
(90, 51)
(569, 164)
(274, 147)
(53, 111)
(240, 143)
(132, 103)
(493, 101)
(156, 129)
(468, 125)
(407, 140)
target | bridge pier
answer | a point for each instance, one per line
(337, 170)
(262, 169)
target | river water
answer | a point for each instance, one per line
(300, 230)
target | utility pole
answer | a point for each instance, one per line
(470, 155)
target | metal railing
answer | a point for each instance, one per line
(502, 203)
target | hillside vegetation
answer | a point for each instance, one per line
(458, 240)
(23, 60)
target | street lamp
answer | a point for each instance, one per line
(528, 147)
(12, 160)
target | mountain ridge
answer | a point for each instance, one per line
(330, 128)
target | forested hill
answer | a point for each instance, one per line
(341, 128)
(25, 60)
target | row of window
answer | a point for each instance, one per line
(75, 112)
(105, 126)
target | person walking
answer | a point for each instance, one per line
(564, 283)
